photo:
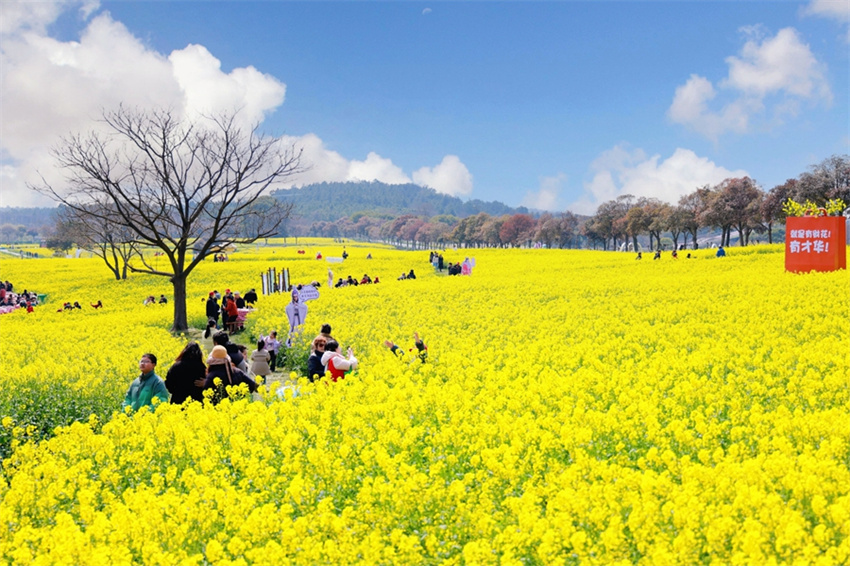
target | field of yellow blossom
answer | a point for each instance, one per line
(576, 407)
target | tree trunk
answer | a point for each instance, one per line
(181, 323)
(634, 241)
(770, 232)
(114, 271)
(741, 241)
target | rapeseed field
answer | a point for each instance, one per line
(576, 407)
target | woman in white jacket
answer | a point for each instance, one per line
(335, 362)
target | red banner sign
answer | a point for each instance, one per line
(815, 243)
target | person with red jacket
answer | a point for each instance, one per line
(232, 314)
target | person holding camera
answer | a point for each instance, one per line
(338, 365)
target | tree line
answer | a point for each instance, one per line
(735, 206)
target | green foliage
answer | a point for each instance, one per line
(294, 358)
(37, 408)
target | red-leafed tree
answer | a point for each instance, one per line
(516, 229)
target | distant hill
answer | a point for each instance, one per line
(30, 217)
(331, 201)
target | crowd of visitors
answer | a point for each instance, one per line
(11, 301)
(232, 310)
(190, 375)
(352, 282)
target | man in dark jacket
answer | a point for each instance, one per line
(213, 309)
(222, 339)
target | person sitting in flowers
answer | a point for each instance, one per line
(338, 365)
(146, 387)
(221, 374)
(420, 347)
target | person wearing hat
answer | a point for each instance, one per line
(145, 387)
(219, 366)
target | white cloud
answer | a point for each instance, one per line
(621, 171)
(835, 9)
(376, 168)
(779, 64)
(51, 88)
(769, 76)
(324, 165)
(36, 16)
(546, 197)
(426, 11)
(450, 177)
(690, 107)
(321, 164)
(207, 89)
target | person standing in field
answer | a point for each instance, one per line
(186, 376)
(273, 347)
(146, 387)
(229, 314)
(213, 309)
(260, 359)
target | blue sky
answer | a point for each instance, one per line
(554, 105)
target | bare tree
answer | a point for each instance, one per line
(186, 189)
(771, 206)
(100, 234)
(568, 228)
(829, 179)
